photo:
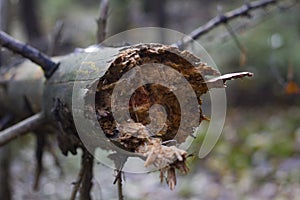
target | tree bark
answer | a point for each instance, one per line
(5, 152)
(4, 22)
(5, 175)
(54, 96)
(77, 98)
(81, 74)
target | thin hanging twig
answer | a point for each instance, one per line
(29, 52)
(86, 184)
(39, 150)
(77, 184)
(119, 163)
(56, 37)
(102, 21)
(21, 128)
(85, 176)
(120, 186)
(242, 11)
(235, 38)
(119, 181)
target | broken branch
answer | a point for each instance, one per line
(21, 128)
(84, 182)
(242, 11)
(29, 52)
(102, 21)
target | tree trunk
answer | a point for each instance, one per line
(26, 84)
(31, 24)
(4, 23)
(78, 103)
(5, 152)
(5, 187)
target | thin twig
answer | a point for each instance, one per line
(21, 128)
(39, 152)
(238, 44)
(77, 184)
(236, 40)
(120, 187)
(102, 21)
(85, 176)
(242, 11)
(29, 52)
(50, 148)
(86, 184)
(56, 37)
(119, 181)
(39, 149)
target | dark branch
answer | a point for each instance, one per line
(119, 179)
(120, 186)
(87, 184)
(84, 182)
(102, 21)
(21, 128)
(243, 11)
(56, 37)
(29, 52)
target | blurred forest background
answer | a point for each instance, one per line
(257, 156)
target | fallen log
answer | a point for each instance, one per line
(79, 95)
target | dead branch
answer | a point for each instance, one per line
(51, 149)
(85, 176)
(102, 21)
(243, 11)
(86, 185)
(119, 178)
(21, 128)
(56, 37)
(120, 185)
(39, 152)
(29, 52)
(77, 184)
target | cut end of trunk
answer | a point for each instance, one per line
(145, 96)
(134, 134)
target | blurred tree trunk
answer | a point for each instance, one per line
(157, 7)
(4, 14)
(158, 10)
(5, 152)
(31, 24)
(118, 17)
(4, 23)
(5, 187)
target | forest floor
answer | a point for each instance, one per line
(256, 157)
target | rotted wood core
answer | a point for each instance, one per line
(133, 134)
(191, 68)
